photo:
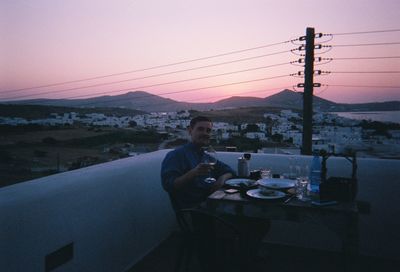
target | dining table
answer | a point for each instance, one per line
(342, 217)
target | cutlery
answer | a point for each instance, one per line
(290, 198)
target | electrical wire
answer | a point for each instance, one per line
(223, 96)
(213, 97)
(362, 44)
(364, 72)
(194, 89)
(152, 76)
(364, 32)
(359, 58)
(224, 54)
(362, 86)
(158, 84)
(151, 68)
(323, 90)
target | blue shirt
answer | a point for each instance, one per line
(180, 161)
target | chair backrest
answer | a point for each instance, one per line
(216, 240)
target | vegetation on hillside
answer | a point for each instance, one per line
(32, 112)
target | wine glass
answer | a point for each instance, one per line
(209, 158)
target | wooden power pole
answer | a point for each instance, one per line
(308, 93)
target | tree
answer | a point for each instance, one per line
(277, 137)
(252, 128)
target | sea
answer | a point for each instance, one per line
(381, 116)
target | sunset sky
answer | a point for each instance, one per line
(106, 48)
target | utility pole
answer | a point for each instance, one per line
(308, 92)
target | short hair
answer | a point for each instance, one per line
(198, 119)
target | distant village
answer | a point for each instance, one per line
(330, 131)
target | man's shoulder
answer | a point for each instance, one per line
(179, 151)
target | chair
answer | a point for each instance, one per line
(215, 242)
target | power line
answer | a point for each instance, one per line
(359, 58)
(199, 99)
(150, 76)
(194, 89)
(363, 72)
(170, 82)
(364, 32)
(362, 86)
(161, 84)
(153, 67)
(220, 96)
(361, 44)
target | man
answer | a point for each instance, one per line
(183, 173)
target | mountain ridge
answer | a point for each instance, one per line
(144, 101)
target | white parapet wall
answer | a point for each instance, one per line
(108, 216)
(379, 187)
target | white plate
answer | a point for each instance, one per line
(238, 181)
(275, 183)
(266, 194)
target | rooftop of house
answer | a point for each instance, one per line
(116, 217)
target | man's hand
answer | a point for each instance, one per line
(202, 169)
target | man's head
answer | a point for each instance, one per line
(200, 130)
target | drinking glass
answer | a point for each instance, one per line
(266, 173)
(209, 158)
(301, 170)
(301, 187)
(292, 168)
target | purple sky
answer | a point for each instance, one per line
(53, 41)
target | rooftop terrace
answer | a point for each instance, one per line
(116, 217)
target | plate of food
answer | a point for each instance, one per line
(238, 182)
(265, 194)
(276, 183)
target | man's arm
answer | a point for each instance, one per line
(200, 170)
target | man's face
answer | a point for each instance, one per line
(200, 133)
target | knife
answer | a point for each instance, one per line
(290, 198)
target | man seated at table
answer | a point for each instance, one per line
(183, 174)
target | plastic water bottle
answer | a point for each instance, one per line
(315, 173)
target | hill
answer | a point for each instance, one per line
(284, 99)
(144, 101)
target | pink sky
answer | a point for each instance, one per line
(50, 41)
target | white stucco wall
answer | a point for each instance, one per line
(379, 185)
(115, 213)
